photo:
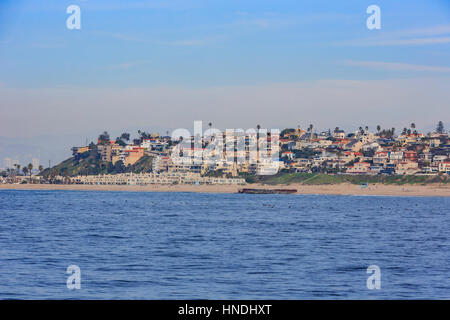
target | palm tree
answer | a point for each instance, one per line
(30, 168)
(367, 128)
(25, 170)
(210, 125)
(257, 142)
(378, 128)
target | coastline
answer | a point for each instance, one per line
(430, 190)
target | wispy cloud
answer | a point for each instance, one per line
(241, 13)
(47, 45)
(413, 42)
(264, 22)
(396, 66)
(125, 65)
(399, 42)
(141, 39)
(186, 42)
(433, 35)
(120, 36)
(426, 31)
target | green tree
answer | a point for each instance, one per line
(440, 127)
(120, 142)
(286, 132)
(104, 137)
(125, 136)
(119, 167)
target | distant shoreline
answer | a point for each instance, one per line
(430, 190)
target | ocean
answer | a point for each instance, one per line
(138, 245)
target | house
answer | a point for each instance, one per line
(430, 169)
(410, 155)
(367, 137)
(439, 158)
(375, 169)
(359, 168)
(381, 157)
(396, 156)
(371, 146)
(339, 134)
(354, 145)
(79, 150)
(105, 151)
(434, 142)
(133, 155)
(287, 154)
(406, 167)
(444, 166)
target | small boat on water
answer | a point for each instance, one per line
(267, 191)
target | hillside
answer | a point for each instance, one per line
(90, 163)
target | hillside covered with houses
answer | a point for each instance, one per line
(334, 152)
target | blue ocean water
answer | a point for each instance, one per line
(132, 245)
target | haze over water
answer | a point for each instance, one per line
(132, 245)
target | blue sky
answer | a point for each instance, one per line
(160, 65)
(204, 43)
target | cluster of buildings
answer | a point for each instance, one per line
(154, 178)
(294, 150)
(364, 152)
(216, 156)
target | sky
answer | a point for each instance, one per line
(160, 65)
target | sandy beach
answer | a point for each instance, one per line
(436, 190)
